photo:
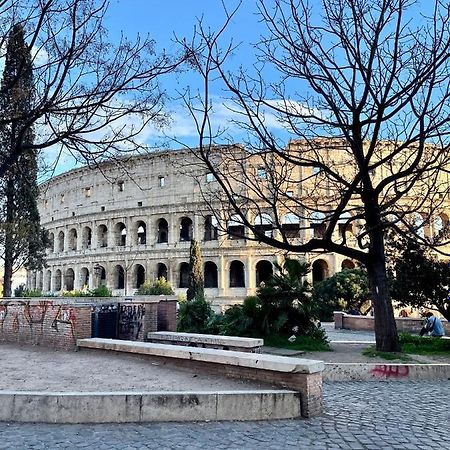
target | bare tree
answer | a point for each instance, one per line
(363, 94)
(93, 97)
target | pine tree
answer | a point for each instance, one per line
(196, 283)
(22, 238)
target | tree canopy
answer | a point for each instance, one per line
(363, 95)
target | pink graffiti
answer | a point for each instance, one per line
(387, 371)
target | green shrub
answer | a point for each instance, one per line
(100, 291)
(194, 316)
(76, 293)
(29, 293)
(158, 287)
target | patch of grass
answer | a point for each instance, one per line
(417, 345)
(371, 352)
(306, 343)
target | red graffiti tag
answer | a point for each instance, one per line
(390, 371)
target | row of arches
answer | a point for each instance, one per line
(59, 279)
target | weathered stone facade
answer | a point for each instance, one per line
(132, 220)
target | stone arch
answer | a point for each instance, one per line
(263, 224)
(139, 275)
(347, 264)
(48, 281)
(440, 224)
(210, 275)
(57, 280)
(141, 232)
(120, 234)
(186, 229)
(291, 225)
(100, 275)
(51, 242)
(344, 224)
(161, 271)
(317, 224)
(119, 277)
(237, 274)
(264, 270)
(61, 241)
(84, 277)
(211, 228)
(183, 275)
(320, 270)
(102, 235)
(86, 237)
(69, 280)
(73, 239)
(235, 227)
(163, 231)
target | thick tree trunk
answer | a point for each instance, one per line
(386, 335)
(8, 272)
(9, 243)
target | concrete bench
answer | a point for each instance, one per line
(241, 344)
(301, 375)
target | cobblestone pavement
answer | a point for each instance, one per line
(347, 335)
(358, 415)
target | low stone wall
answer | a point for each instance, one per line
(301, 375)
(367, 323)
(44, 322)
(59, 322)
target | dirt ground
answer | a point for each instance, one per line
(32, 368)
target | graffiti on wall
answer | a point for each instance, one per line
(131, 321)
(65, 315)
(390, 371)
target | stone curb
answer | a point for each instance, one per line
(142, 407)
(385, 372)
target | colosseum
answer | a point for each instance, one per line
(122, 224)
(132, 220)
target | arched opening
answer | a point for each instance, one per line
(440, 224)
(161, 271)
(100, 275)
(84, 277)
(319, 270)
(347, 264)
(211, 228)
(48, 281)
(291, 226)
(69, 280)
(73, 238)
(344, 224)
(163, 231)
(263, 225)
(119, 277)
(210, 275)
(237, 274)
(186, 229)
(120, 232)
(317, 223)
(102, 236)
(86, 237)
(235, 228)
(51, 242)
(139, 275)
(419, 225)
(264, 270)
(61, 241)
(57, 281)
(40, 281)
(184, 275)
(141, 233)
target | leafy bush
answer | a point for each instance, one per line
(23, 292)
(194, 316)
(158, 287)
(76, 293)
(345, 290)
(285, 300)
(100, 291)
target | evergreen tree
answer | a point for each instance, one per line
(22, 238)
(196, 284)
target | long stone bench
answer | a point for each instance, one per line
(301, 375)
(241, 344)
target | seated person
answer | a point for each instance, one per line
(433, 326)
